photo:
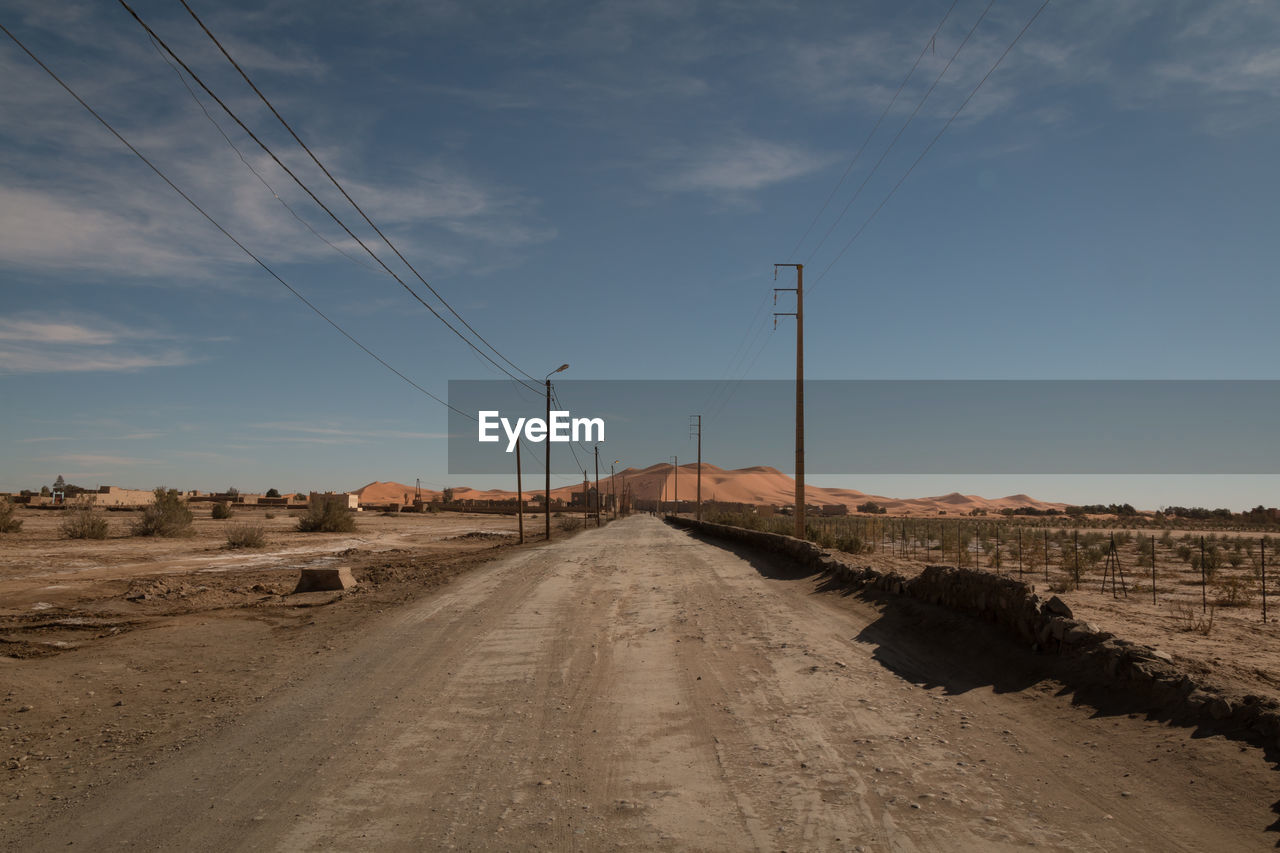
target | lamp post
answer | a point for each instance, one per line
(546, 504)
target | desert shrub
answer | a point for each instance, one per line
(850, 544)
(570, 524)
(271, 515)
(245, 536)
(1193, 620)
(1233, 592)
(327, 516)
(8, 524)
(1184, 553)
(84, 523)
(168, 515)
(222, 510)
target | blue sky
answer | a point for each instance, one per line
(609, 185)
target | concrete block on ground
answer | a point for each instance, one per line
(325, 579)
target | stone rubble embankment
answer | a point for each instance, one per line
(1045, 625)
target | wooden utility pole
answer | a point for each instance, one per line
(799, 315)
(698, 510)
(586, 499)
(597, 485)
(519, 495)
(547, 492)
(675, 487)
(613, 488)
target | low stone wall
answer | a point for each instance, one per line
(1045, 625)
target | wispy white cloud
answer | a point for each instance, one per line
(304, 434)
(95, 459)
(30, 344)
(739, 166)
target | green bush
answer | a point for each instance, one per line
(222, 510)
(246, 536)
(8, 524)
(84, 523)
(327, 515)
(168, 515)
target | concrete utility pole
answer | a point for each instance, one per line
(597, 485)
(546, 504)
(698, 427)
(519, 495)
(799, 315)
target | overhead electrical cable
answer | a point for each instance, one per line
(250, 166)
(893, 142)
(312, 195)
(929, 147)
(932, 40)
(342, 190)
(217, 225)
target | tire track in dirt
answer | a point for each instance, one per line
(634, 688)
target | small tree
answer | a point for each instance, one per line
(8, 524)
(447, 495)
(168, 515)
(327, 515)
(272, 493)
(84, 523)
(222, 510)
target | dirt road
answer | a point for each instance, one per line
(635, 688)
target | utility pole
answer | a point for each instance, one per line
(586, 500)
(698, 427)
(799, 315)
(597, 485)
(675, 470)
(613, 488)
(519, 495)
(546, 504)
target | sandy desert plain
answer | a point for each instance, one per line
(119, 656)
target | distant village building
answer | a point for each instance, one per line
(114, 496)
(346, 499)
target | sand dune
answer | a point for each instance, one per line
(758, 484)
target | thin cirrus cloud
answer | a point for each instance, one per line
(742, 166)
(34, 345)
(298, 434)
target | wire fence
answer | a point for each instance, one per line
(1178, 567)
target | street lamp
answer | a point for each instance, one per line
(547, 493)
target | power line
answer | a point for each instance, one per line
(217, 225)
(342, 190)
(932, 142)
(311, 194)
(177, 71)
(893, 142)
(879, 121)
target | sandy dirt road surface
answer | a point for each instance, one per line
(636, 688)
